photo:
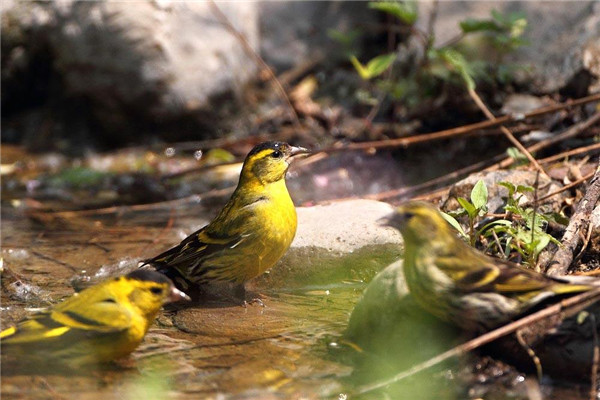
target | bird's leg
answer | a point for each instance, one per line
(240, 293)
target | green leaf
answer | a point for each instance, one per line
(452, 221)
(518, 27)
(516, 155)
(512, 209)
(469, 208)
(542, 241)
(476, 25)
(479, 195)
(511, 188)
(495, 224)
(405, 12)
(362, 71)
(582, 316)
(460, 65)
(525, 189)
(345, 38)
(375, 67)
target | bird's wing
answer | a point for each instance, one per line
(75, 315)
(196, 247)
(227, 231)
(480, 273)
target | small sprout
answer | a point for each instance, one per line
(582, 316)
(455, 224)
(406, 11)
(375, 67)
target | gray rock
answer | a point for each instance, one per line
(595, 221)
(297, 31)
(562, 36)
(523, 103)
(336, 242)
(142, 64)
(497, 194)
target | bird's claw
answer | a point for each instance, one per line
(255, 300)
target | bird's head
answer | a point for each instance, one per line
(269, 161)
(419, 223)
(149, 290)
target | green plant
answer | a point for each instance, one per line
(515, 154)
(523, 230)
(454, 63)
(527, 233)
(473, 209)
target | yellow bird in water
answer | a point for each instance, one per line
(249, 235)
(99, 324)
(461, 285)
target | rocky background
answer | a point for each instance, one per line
(84, 75)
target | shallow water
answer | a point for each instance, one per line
(212, 350)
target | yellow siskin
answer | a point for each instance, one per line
(97, 325)
(461, 285)
(249, 235)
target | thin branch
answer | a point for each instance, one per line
(257, 58)
(499, 161)
(591, 149)
(445, 179)
(565, 188)
(448, 133)
(505, 131)
(568, 134)
(585, 244)
(137, 207)
(596, 359)
(486, 338)
(578, 223)
(54, 260)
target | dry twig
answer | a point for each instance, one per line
(596, 359)
(448, 133)
(257, 58)
(591, 149)
(590, 296)
(577, 225)
(505, 131)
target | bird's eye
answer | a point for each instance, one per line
(407, 215)
(276, 154)
(156, 290)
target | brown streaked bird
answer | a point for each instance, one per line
(461, 285)
(249, 235)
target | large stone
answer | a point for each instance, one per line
(562, 38)
(136, 67)
(294, 32)
(336, 242)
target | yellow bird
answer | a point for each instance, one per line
(461, 285)
(99, 324)
(249, 235)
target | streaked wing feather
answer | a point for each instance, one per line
(225, 232)
(480, 273)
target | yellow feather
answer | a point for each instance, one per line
(249, 235)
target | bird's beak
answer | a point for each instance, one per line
(385, 221)
(177, 295)
(393, 220)
(294, 151)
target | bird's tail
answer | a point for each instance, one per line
(170, 272)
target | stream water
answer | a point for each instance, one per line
(213, 350)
